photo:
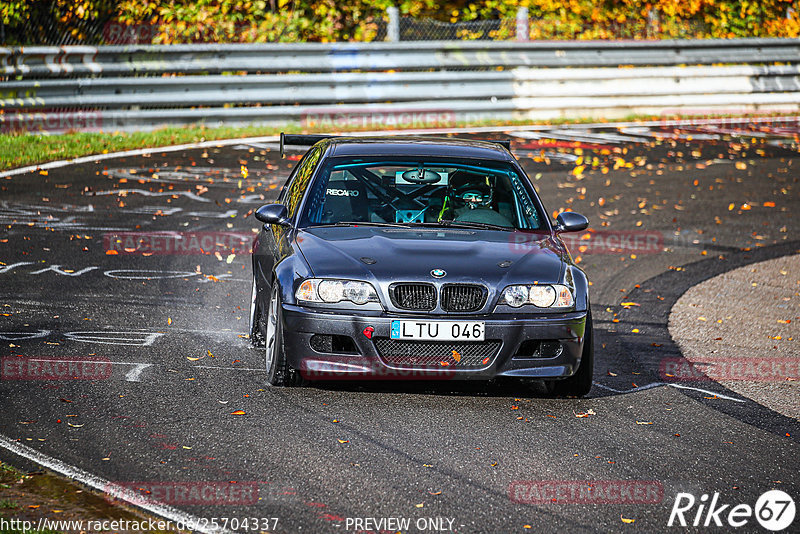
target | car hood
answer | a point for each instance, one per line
(410, 254)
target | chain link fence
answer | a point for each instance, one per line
(48, 24)
(411, 29)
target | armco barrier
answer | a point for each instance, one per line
(370, 84)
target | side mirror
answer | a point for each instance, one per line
(273, 214)
(569, 221)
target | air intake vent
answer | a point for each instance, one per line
(463, 297)
(418, 297)
(437, 354)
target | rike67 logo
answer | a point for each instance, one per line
(774, 510)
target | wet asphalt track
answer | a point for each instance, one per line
(173, 326)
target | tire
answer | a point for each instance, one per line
(256, 314)
(580, 383)
(270, 325)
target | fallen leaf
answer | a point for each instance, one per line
(238, 412)
(644, 422)
(343, 440)
(626, 520)
(75, 426)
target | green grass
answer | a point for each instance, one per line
(21, 149)
(8, 504)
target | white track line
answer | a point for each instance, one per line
(424, 131)
(108, 487)
(657, 384)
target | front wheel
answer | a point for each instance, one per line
(279, 373)
(580, 383)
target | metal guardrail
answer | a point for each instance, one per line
(49, 61)
(378, 84)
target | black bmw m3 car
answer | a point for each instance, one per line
(417, 258)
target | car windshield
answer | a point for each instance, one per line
(412, 192)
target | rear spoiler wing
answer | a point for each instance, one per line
(309, 140)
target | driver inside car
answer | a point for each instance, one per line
(472, 197)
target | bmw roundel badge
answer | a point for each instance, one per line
(438, 273)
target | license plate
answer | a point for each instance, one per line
(438, 330)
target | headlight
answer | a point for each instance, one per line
(541, 296)
(515, 296)
(332, 291)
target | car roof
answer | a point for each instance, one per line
(416, 146)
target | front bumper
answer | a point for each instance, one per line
(364, 360)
